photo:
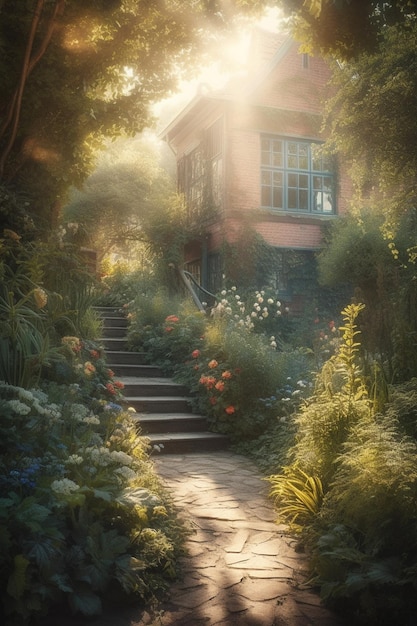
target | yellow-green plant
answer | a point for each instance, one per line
(297, 495)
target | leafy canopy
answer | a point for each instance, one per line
(345, 28)
(74, 72)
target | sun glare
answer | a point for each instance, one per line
(228, 61)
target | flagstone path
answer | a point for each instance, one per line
(241, 568)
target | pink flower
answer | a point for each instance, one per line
(230, 409)
(219, 386)
(226, 375)
(168, 329)
(195, 354)
(212, 364)
(172, 319)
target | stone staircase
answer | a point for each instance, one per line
(162, 407)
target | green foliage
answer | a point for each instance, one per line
(121, 201)
(350, 488)
(83, 517)
(346, 28)
(301, 495)
(84, 71)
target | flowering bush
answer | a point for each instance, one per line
(85, 365)
(232, 374)
(170, 340)
(260, 312)
(81, 511)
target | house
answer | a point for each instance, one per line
(257, 185)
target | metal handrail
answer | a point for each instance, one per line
(190, 283)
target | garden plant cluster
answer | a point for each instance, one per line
(336, 442)
(84, 520)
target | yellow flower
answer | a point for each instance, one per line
(41, 299)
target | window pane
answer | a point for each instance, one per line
(266, 158)
(277, 179)
(292, 180)
(266, 177)
(304, 199)
(277, 204)
(292, 199)
(266, 196)
(303, 181)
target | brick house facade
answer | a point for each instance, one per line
(249, 156)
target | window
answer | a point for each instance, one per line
(295, 177)
(200, 172)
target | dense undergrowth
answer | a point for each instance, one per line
(84, 520)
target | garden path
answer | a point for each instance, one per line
(241, 568)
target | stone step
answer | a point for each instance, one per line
(124, 357)
(183, 443)
(145, 386)
(113, 344)
(163, 410)
(111, 332)
(110, 322)
(171, 423)
(123, 370)
(109, 311)
(158, 404)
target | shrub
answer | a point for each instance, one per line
(82, 515)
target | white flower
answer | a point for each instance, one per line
(125, 472)
(265, 314)
(91, 419)
(278, 303)
(253, 314)
(74, 459)
(224, 292)
(121, 457)
(233, 288)
(272, 338)
(24, 394)
(260, 299)
(228, 310)
(270, 301)
(64, 487)
(18, 407)
(273, 344)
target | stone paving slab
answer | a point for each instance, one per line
(241, 567)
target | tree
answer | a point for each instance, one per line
(372, 121)
(122, 200)
(73, 72)
(345, 28)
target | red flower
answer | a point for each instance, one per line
(226, 375)
(110, 373)
(94, 354)
(212, 364)
(230, 409)
(110, 388)
(195, 354)
(172, 319)
(168, 329)
(219, 386)
(118, 384)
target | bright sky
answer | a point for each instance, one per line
(230, 60)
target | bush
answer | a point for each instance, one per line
(83, 517)
(350, 489)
